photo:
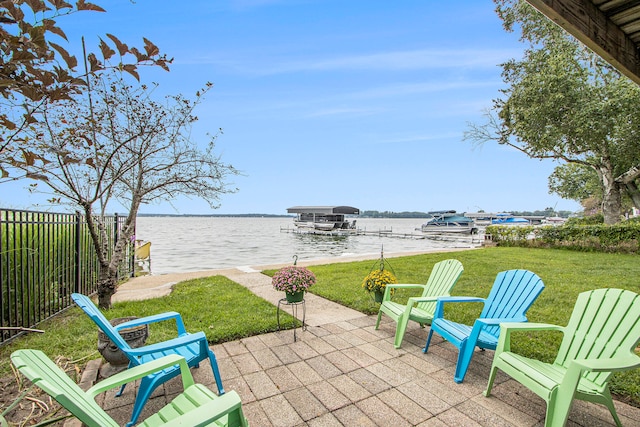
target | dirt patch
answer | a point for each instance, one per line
(30, 405)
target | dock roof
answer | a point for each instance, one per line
(347, 210)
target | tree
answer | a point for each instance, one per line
(563, 102)
(577, 182)
(120, 144)
(37, 71)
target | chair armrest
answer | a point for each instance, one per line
(143, 370)
(154, 319)
(621, 363)
(423, 299)
(208, 413)
(461, 299)
(576, 367)
(497, 321)
(168, 345)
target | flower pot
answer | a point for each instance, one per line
(378, 295)
(135, 337)
(294, 296)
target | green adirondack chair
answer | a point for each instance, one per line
(599, 339)
(196, 406)
(420, 309)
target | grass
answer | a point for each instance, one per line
(211, 304)
(208, 304)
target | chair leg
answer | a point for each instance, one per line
(608, 402)
(378, 321)
(492, 377)
(558, 408)
(464, 359)
(118, 394)
(401, 328)
(144, 391)
(426, 347)
(216, 372)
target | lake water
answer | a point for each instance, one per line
(181, 244)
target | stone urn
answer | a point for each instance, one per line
(117, 361)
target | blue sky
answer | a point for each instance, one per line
(332, 102)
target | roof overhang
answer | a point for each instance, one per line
(611, 28)
(326, 210)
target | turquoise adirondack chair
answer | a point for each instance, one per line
(420, 309)
(196, 406)
(599, 339)
(193, 347)
(512, 294)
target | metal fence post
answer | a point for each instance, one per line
(77, 252)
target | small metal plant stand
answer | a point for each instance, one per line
(294, 312)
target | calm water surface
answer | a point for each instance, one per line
(180, 244)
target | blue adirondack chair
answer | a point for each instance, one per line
(512, 294)
(193, 347)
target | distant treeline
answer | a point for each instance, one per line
(390, 214)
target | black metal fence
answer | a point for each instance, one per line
(44, 258)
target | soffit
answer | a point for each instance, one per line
(611, 28)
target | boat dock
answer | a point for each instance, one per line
(388, 232)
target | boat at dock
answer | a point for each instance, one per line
(448, 222)
(324, 218)
(509, 219)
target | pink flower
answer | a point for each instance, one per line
(293, 279)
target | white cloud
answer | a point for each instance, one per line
(422, 59)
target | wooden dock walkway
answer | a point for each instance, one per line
(450, 237)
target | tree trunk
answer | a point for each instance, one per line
(611, 196)
(107, 285)
(634, 193)
(628, 181)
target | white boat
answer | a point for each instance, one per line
(324, 218)
(509, 219)
(448, 222)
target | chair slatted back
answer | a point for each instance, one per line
(604, 323)
(85, 303)
(512, 294)
(38, 368)
(443, 276)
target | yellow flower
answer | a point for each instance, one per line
(378, 279)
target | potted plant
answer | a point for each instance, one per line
(376, 282)
(294, 281)
(378, 278)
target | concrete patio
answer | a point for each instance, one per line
(342, 372)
